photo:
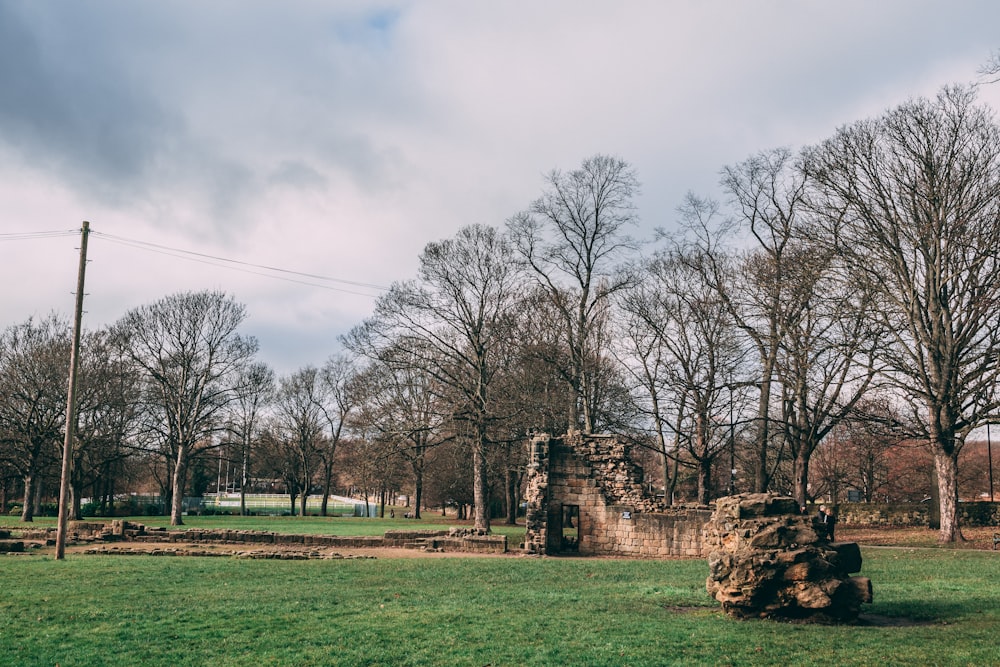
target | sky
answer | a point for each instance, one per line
(336, 139)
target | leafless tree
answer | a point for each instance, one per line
(108, 396)
(454, 322)
(691, 324)
(337, 399)
(189, 351)
(34, 373)
(913, 199)
(254, 390)
(300, 425)
(572, 238)
(400, 407)
(989, 71)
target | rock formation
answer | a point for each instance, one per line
(767, 560)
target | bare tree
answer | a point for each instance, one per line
(697, 338)
(108, 402)
(913, 199)
(34, 372)
(400, 407)
(190, 352)
(571, 238)
(254, 390)
(300, 426)
(454, 322)
(337, 399)
(827, 355)
(989, 71)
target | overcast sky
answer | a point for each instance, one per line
(337, 138)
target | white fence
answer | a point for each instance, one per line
(278, 503)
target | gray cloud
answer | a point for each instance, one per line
(339, 138)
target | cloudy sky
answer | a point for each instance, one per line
(337, 138)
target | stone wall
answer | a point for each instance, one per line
(595, 476)
(914, 514)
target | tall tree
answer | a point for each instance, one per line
(827, 355)
(400, 407)
(301, 426)
(913, 200)
(254, 390)
(572, 238)
(693, 329)
(34, 372)
(107, 405)
(454, 322)
(337, 399)
(190, 353)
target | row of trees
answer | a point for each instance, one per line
(849, 288)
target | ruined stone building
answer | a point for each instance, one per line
(585, 496)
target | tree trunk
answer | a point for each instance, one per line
(36, 500)
(946, 466)
(800, 477)
(761, 478)
(177, 488)
(76, 511)
(418, 486)
(512, 483)
(704, 480)
(479, 489)
(305, 499)
(292, 495)
(327, 483)
(27, 509)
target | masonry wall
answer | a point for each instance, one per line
(914, 514)
(595, 474)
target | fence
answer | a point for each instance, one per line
(280, 503)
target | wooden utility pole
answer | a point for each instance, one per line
(74, 362)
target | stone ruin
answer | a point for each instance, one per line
(248, 543)
(767, 560)
(585, 496)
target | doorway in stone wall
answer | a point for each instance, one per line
(570, 528)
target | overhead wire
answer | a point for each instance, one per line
(24, 236)
(157, 246)
(273, 272)
(242, 266)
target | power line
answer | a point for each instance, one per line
(25, 236)
(237, 265)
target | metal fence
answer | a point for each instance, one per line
(280, 503)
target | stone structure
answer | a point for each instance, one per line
(976, 513)
(584, 495)
(768, 560)
(455, 539)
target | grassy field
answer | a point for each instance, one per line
(932, 606)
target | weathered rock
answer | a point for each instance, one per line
(767, 560)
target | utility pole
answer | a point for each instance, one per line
(74, 362)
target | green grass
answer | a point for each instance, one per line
(103, 610)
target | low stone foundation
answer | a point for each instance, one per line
(455, 539)
(766, 560)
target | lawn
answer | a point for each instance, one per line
(932, 606)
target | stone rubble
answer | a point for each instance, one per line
(767, 560)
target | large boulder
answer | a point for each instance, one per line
(767, 560)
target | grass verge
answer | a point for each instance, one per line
(933, 607)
